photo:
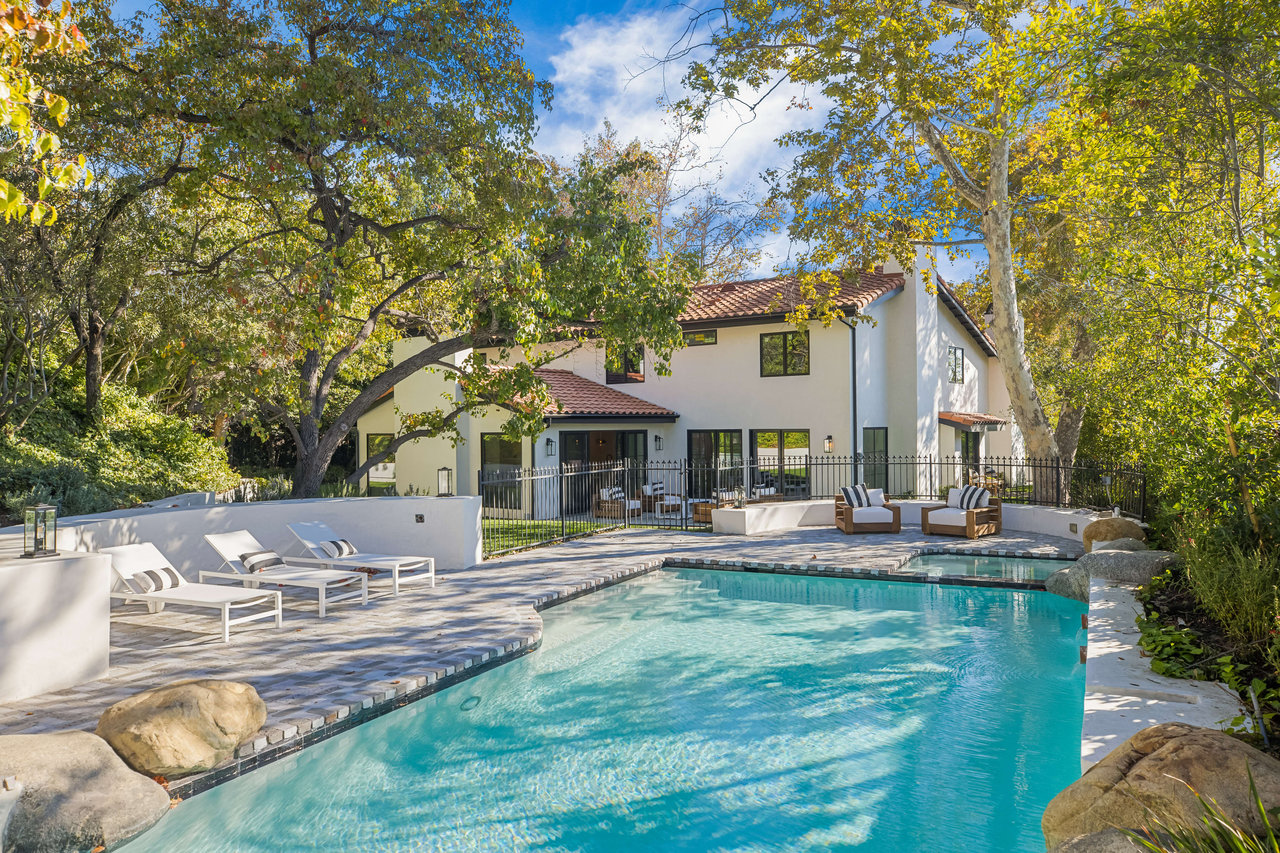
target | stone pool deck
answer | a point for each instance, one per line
(320, 677)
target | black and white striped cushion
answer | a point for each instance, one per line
(338, 548)
(972, 497)
(856, 496)
(658, 489)
(259, 561)
(155, 580)
(617, 494)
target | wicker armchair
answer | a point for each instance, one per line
(946, 520)
(846, 518)
(614, 506)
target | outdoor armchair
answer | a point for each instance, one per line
(143, 574)
(265, 566)
(960, 517)
(326, 550)
(880, 515)
(612, 502)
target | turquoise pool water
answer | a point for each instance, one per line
(697, 711)
(1010, 568)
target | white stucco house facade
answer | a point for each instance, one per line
(919, 379)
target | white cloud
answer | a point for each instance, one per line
(607, 70)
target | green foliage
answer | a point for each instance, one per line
(1174, 651)
(1237, 587)
(1217, 832)
(134, 454)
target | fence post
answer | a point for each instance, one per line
(1057, 470)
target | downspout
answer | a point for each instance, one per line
(853, 394)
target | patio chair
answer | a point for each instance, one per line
(701, 507)
(654, 498)
(248, 563)
(970, 511)
(762, 494)
(143, 574)
(612, 502)
(867, 511)
(328, 551)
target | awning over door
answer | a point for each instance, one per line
(972, 421)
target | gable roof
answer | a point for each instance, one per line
(579, 397)
(949, 298)
(769, 298)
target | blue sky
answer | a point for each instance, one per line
(598, 56)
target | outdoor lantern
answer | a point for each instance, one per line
(828, 445)
(657, 442)
(551, 446)
(444, 482)
(40, 531)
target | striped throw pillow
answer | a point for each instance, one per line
(338, 548)
(155, 580)
(260, 561)
(658, 489)
(856, 496)
(617, 494)
(972, 497)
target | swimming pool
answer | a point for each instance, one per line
(1009, 568)
(701, 710)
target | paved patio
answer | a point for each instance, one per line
(321, 676)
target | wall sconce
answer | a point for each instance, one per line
(550, 446)
(657, 442)
(828, 445)
(40, 531)
(444, 482)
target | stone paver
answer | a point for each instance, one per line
(320, 676)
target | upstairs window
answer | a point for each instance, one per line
(624, 365)
(784, 354)
(955, 365)
(705, 338)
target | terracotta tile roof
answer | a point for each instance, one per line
(775, 296)
(580, 397)
(971, 421)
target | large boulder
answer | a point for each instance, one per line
(1122, 544)
(1108, 841)
(1070, 582)
(76, 794)
(1153, 774)
(1129, 566)
(185, 727)
(1111, 527)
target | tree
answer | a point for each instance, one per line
(932, 115)
(372, 175)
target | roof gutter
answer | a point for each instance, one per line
(853, 395)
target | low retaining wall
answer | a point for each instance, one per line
(445, 528)
(765, 517)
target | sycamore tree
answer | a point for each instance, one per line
(369, 173)
(933, 111)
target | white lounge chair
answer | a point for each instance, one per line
(233, 547)
(147, 576)
(327, 550)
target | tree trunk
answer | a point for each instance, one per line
(308, 474)
(94, 343)
(1008, 330)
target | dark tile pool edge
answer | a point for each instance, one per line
(254, 754)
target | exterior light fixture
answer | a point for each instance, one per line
(444, 482)
(550, 446)
(828, 445)
(657, 442)
(40, 531)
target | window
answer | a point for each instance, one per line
(955, 364)
(782, 461)
(700, 339)
(381, 477)
(971, 449)
(784, 354)
(625, 365)
(500, 459)
(875, 457)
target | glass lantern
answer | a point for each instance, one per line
(40, 531)
(444, 482)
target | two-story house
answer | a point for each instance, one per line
(920, 380)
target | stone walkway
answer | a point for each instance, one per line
(318, 677)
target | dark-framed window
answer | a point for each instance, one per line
(705, 338)
(624, 365)
(784, 354)
(971, 449)
(782, 460)
(875, 457)
(500, 459)
(955, 365)
(381, 477)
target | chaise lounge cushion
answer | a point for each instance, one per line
(950, 516)
(872, 515)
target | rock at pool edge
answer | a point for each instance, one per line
(185, 727)
(1070, 582)
(76, 794)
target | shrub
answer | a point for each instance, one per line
(1236, 585)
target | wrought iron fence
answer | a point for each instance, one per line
(527, 507)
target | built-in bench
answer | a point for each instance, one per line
(765, 517)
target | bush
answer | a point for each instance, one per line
(1236, 585)
(134, 454)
